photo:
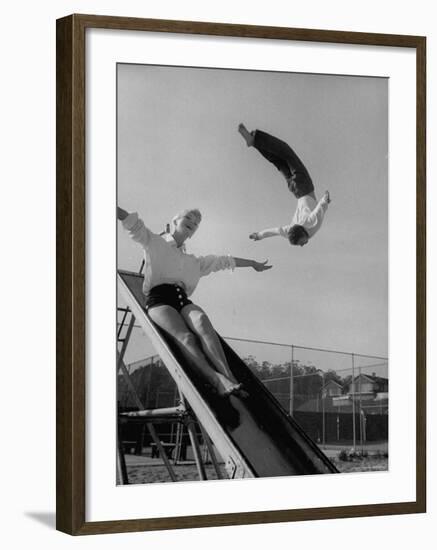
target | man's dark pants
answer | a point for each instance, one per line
(286, 161)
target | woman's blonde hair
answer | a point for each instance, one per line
(185, 212)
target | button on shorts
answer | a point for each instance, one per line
(169, 295)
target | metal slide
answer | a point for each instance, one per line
(254, 435)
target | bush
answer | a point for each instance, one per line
(380, 454)
(343, 455)
(351, 455)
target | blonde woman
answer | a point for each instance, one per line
(170, 277)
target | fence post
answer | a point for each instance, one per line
(323, 411)
(361, 411)
(291, 406)
(354, 436)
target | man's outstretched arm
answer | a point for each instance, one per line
(319, 211)
(265, 233)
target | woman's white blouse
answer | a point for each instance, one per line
(165, 263)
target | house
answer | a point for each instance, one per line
(368, 385)
(368, 392)
(331, 389)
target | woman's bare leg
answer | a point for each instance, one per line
(198, 321)
(168, 319)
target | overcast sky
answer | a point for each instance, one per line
(178, 147)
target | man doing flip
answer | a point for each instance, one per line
(309, 213)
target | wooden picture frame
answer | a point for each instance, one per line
(71, 275)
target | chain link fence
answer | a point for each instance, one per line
(340, 399)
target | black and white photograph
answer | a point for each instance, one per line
(219, 240)
(252, 274)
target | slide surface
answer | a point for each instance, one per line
(254, 435)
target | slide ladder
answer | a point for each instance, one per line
(254, 435)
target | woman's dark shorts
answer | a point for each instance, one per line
(167, 295)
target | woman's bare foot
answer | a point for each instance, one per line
(227, 387)
(240, 392)
(248, 136)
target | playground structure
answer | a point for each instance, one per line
(254, 436)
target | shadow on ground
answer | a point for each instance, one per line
(46, 518)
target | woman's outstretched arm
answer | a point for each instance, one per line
(121, 214)
(210, 264)
(134, 226)
(257, 266)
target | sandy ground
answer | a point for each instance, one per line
(143, 469)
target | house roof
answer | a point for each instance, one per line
(372, 378)
(331, 382)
